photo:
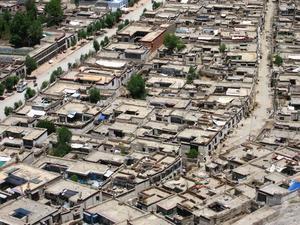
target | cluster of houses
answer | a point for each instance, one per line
(152, 161)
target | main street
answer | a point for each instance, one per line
(44, 72)
(252, 125)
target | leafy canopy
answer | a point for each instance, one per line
(172, 42)
(136, 86)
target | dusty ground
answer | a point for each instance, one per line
(289, 213)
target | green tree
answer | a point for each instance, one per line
(172, 42)
(94, 95)
(54, 12)
(61, 150)
(31, 8)
(47, 124)
(136, 86)
(222, 48)
(76, 2)
(30, 64)
(74, 178)
(2, 89)
(64, 135)
(278, 61)
(25, 30)
(192, 75)
(44, 84)
(155, 5)
(8, 110)
(96, 45)
(15, 79)
(106, 40)
(109, 20)
(193, 153)
(9, 83)
(52, 78)
(18, 104)
(30, 92)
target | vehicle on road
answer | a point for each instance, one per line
(21, 86)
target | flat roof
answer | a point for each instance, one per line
(116, 211)
(36, 211)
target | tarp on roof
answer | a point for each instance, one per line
(71, 115)
(34, 112)
(294, 185)
(101, 117)
(14, 180)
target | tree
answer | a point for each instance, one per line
(31, 8)
(94, 95)
(96, 45)
(193, 153)
(44, 84)
(192, 75)
(109, 20)
(54, 12)
(155, 5)
(64, 135)
(17, 104)
(106, 40)
(172, 42)
(8, 110)
(278, 60)
(136, 86)
(30, 92)
(222, 48)
(9, 83)
(30, 64)
(15, 79)
(25, 30)
(76, 2)
(47, 124)
(52, 78)
(2, 89)
(61, 150)
(74, 178)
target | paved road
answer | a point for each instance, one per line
(253, 124)
(44, 72)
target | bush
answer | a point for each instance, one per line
(30, 92)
